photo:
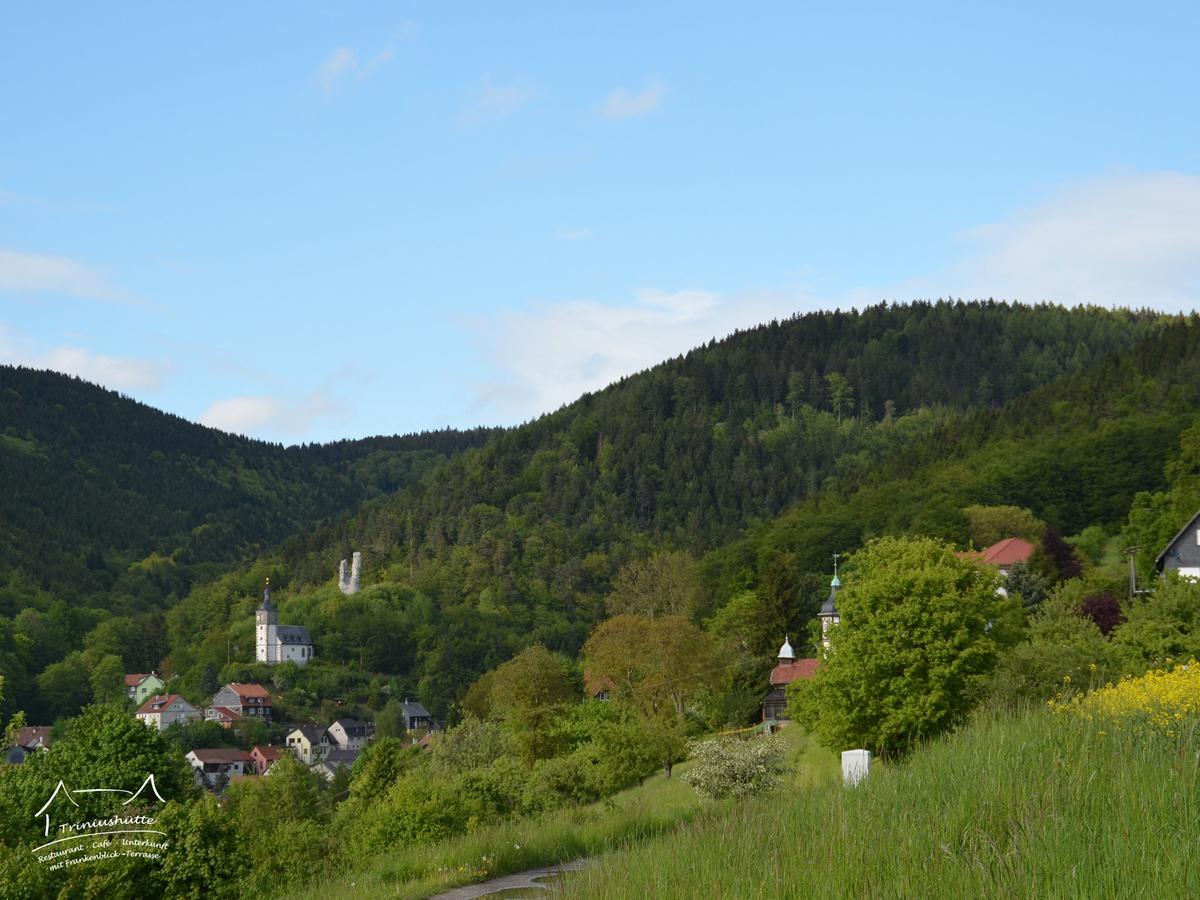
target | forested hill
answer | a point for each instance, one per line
(692, 451)
(92, 482)
(520, 540)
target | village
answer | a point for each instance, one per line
(329, 749)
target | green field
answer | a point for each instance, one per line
(652, 810)
(1035, 806)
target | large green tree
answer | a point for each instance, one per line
(657, 664)
(921, 630)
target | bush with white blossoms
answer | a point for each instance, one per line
(729, 767)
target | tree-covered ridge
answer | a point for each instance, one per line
(694, 450)
(91, 481)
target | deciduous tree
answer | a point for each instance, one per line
(920, 632)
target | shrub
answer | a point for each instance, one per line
(1163, 701)
(735, 768)
(1105, 610)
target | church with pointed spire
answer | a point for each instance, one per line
(788, 668)
(275, 643)
(829, 611)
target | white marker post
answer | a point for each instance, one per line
(855, 766)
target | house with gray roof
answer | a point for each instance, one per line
(416, 716)
(309, 743)
(1182, 554)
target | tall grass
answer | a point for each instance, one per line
(649, 811)
(1031, 806)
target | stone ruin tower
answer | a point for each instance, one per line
(350, 585)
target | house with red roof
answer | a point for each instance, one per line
(263, 756)
(1007, 553)
(239, 701)
(142, 685)
(164, 710)
(598, 688)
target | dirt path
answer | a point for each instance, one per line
(530, 880)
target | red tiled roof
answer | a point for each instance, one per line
(267, 754)
(786, 673)
(594, 685)
(1008, 552)
(249, 690)
(157, 703)
(224, 712)
(136, 679)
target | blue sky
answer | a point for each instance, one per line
(312, 221)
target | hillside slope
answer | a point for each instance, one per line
(92, 481)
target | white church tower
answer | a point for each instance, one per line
(265, 622)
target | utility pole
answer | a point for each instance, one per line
(1132, 552)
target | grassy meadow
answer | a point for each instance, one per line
(1039, 805)
(651, 810)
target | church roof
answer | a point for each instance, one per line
(786, 673)
(786, 652)
(829, 607)
(292, 634)
(266, 600)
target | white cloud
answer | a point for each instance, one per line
(623, 104)
(1129, 239)
(341, 62)
(493, 102)
(548, 356)
(268, 417)
(36, 273)
(118, 372)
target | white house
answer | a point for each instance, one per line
(164, 710)
(309, 743)
(350, 734)
(275, 643)
(213, 768)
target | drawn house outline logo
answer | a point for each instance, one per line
(148, 782)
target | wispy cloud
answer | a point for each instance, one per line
(573, 234)
(37, 273)
(343, 61)
(549, 355)
(270, 417)
(1129, 239)
(118, 372)
(493, 102)
(623, 104)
